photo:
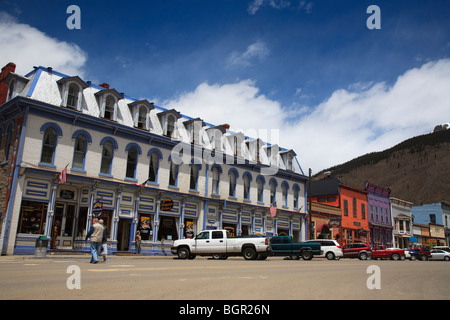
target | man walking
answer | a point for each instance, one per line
(95, 234)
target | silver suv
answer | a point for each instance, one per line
(331, 249)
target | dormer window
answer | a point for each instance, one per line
(168, 120)
(109, 108)
(288, 158)
(194, 127)
(72, 97)
(140, 111)
(108, 100)
(72, 92)
(215, 137)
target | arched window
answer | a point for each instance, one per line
(107, 157)
(260, 188)
(131, 162)
(273, 190)
(233, 175)
(155, 155)
(296, 190)
(247, 177)
(284, 193)
(216, 171)
(48, 145)
(79, 152)
(173, 173)
(193, 181)
(72, 97)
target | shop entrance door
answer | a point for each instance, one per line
(123, 235)
(63, 225)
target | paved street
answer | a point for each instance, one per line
(165, 278)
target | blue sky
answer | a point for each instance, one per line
(254, 64)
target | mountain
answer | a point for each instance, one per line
(416, 170)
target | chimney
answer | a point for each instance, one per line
(104, 85)
(10, 67)
(225, 126)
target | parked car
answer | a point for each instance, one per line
(284, 246)
(445, 248)
(380, 252)
(438, 254)
(357, 250)
(331, 249)
(421, 253)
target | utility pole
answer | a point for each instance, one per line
(310, 229)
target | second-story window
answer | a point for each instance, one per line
(79, 152)
(173, 174)
(48, 146)
(131, 163)
(193, 181)
(232, 185)
(107, 157)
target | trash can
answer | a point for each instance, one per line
(41, 247)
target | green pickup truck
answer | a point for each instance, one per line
(283, 246)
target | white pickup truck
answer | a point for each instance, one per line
(219, 243)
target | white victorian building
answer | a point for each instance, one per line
(140, 166)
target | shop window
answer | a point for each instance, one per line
(80, 227)
(145, 226)
(32, 217)
(189, 229)
(167, 229)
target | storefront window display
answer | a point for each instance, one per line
(145, 227)
(167, 229)
(32, 217)
(189, 229)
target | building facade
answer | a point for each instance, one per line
(352, 202)
(434, 214)
(138, 166)
(380, 221)
(402, 222)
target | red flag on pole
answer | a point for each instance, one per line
(273, 210)
(63, 175)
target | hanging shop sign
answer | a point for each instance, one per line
(97, 208)
(334, 223)
(166, 204)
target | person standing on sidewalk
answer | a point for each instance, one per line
(95, 234)
(104, 250)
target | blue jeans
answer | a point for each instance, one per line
(95, 249)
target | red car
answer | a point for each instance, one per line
(357, 250)
(421, 253)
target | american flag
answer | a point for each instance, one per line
(63, 176)
(273, 210)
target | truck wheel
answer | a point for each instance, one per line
(307, 255)
(249, 254)
(395, 256)
(183, 253)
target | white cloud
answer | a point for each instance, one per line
(370, 117)
(255, 5)
(27, 47)
(256, 51)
